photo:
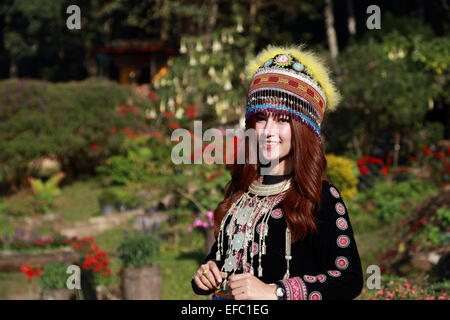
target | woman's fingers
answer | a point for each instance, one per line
(206, 278)
(200, 284)
(216, 272)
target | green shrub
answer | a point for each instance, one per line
(73, 121)
(119, 197)
(138, 161)
(385, 203)
(139, 251)
(54, 276)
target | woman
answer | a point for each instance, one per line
(284, 234)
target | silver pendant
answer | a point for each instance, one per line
(230, 263)
(243, 216)
(238, 241)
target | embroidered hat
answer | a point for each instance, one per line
(291, 81)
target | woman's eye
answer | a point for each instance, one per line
(284, 120)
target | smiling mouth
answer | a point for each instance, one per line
(269, 145)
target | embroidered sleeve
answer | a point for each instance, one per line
(341, 275)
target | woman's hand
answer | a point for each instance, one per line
(246, 286)
(208, 276)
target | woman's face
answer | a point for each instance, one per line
(274, 135)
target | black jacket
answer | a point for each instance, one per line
(324, 265)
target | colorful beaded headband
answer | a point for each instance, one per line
(290, 81)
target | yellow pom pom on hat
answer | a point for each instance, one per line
(293, 81)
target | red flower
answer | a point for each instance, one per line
(38, 272)
(173, 125)
(385, 170)
(426, 151)
(191, 111)
(405, 169)
(448, 151)
(29, 272)
(412, 159)
(375, 160)
(361, 162)
(168, 114)
(388, 160)
(94, 146)
(372, 64)
(156, 134)
(152, 96)
(438, 155)
(364, 170)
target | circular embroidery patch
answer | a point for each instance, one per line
(340, 209)
(277, 214)
(334, 273)
(255, 249)
(342, 263)
(321, 278)
(315, 295)
(262, 227)
(341, 223)
(343, 241)
(283, 60)
(334, 192)
(310, 279)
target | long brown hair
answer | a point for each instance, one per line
(302, 199)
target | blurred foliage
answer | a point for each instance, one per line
(54, 276)
(398, 77)
(385, 203)
(139, 251)
(342, 172)
(73, 121)
(209, 75)
(48, 190)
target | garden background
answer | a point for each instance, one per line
(86, 117)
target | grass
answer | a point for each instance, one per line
(78, 201)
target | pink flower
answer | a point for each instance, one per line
(205, 224)
(429, 298)
(211, 223)
(380, 292)
(189, 228)
(198, 223)
(209, 214)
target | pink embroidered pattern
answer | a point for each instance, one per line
(295, 288)
(334, 192)
(277, 214)
(334, 273)
(310, 279)
(343, 241)
(315, 295)
(321, 278)
(341, 223)
(340, 209)
(342, 262)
